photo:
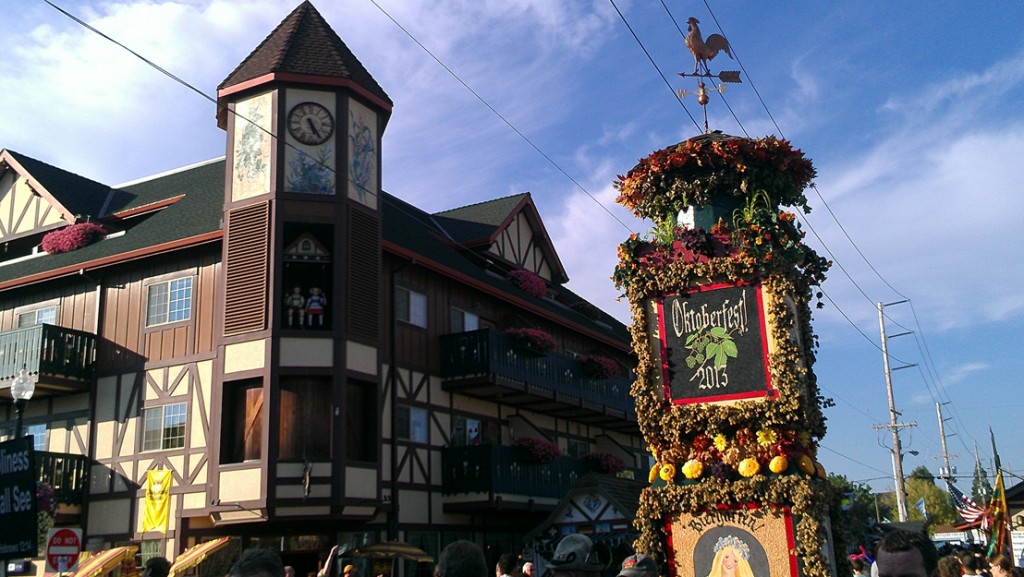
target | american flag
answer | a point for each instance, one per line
(967, 508)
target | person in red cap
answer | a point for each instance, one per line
(638, 565)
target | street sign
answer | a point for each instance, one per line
(19, 536)
(62, 549)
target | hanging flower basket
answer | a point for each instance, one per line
(531, 340)
(535, 450)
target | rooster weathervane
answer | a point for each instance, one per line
(704, 50)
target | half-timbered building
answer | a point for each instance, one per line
(315, 361)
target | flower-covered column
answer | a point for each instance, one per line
(725, 394)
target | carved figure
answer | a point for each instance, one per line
(295, 304)
(704, 50)
(316, 304)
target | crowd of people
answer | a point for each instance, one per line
(912, 554)
(898, 554)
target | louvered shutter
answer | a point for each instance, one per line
(245, 269)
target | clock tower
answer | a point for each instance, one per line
(300, 308)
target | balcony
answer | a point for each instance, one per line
(59, 360)
(67, 474)
(487, 364)
(489, 477)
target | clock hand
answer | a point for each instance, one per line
(312, 126)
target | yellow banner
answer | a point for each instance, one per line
(158, 501)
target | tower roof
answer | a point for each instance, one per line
(304, 47)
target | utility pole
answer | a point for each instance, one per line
(947, 472)
(894, 425)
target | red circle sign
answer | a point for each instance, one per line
(62, 550)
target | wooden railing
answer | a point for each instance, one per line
(47, 350)
(67, 474)
(489, 352)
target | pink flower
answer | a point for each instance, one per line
(72, 237)
(529, 283)
(536, 338)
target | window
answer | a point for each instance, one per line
(577, 448)
(242, 421)
(170, 301)
(38, 433)
(412, 424)
(46, 315)
(361, 421)
(164, 427)
(468, 431)
(463, 321)
(304, 419)
(411, 307)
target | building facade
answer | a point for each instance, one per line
(315, 361)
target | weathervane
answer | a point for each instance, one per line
(704, 50)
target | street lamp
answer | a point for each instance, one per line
(21, 389)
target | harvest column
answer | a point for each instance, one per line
(725, 394)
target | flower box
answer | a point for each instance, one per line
(529, 340)
(535, 449)
(604, 463)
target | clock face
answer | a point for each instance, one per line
(310, 123)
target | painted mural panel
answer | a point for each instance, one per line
(252, 147)
(754, 542)
(363, 154)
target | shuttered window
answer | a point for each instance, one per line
(245, 270)
(363, 278)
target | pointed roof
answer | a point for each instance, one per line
(72, 194)
(304, 48)
(480, 224)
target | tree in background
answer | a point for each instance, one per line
(858, 513)
(981, 489)
(921, 485)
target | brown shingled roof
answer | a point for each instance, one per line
(304, 44)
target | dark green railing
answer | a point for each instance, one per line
(495, 469)
(67, 474)
(490, 352)
(47, 350)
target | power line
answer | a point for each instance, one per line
(499, 115)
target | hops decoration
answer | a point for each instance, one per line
(748, 452)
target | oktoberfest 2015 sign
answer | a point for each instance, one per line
(713, 344)
(19, 530)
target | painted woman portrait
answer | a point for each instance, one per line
(732, 558)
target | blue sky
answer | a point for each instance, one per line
(913, 113)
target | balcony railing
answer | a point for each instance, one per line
(494, 469)
(488, 356)
(51, 354)
(67, 474)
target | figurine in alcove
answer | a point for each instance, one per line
(295, 304)
(316, 305)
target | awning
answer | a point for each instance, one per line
(391, 550)
(196, 555)
(103, 562)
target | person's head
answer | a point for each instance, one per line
(732, 557)
(949, 566)
(350, 571)
(461, 559)
(859, 565)
(972, 561)
(638, 565)
(528, 569)
(906, 554)
(506, 564)
(156, 567)
(289, 571)
(1001, 566)
(258, 563)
